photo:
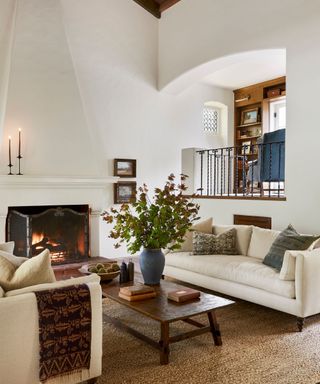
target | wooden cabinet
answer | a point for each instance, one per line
(251, 118)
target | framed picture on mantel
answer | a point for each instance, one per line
(125, 167)
(125, 192)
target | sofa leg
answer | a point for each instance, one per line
(300, 323)
(92, 381)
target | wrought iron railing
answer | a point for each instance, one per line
(255, 170)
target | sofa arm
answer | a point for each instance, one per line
(288, 269)
(307, 281)
(93, 278)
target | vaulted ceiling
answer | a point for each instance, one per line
(156, 7)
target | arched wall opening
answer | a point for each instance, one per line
(242, 69)
(231, 72)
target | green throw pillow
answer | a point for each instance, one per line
(209, 244)
(288, 239)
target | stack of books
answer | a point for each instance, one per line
(183, 295)
(137, 292)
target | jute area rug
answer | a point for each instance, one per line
(260, 346)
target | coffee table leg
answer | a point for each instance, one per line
(214, 328)
(164, 344)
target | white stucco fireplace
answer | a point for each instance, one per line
(42, 190)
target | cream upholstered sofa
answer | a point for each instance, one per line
(19, 334)
(294, 290)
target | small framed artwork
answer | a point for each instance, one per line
(125, 167)
(246, 147)
(125, 192)
(249, 116)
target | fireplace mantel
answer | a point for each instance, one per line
(24, 181)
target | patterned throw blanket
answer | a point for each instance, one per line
(64, 330)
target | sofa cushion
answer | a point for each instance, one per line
(7, 270)
(288, 239)
(210, 244)
(36, 270)
(15, 260)
(243, 235)
(261, 241)
(7, 247)
(93, 278)
(236, 268)
(204, 226)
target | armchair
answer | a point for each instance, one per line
(270, 165)
(19, 334)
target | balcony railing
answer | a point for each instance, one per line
(256, 170)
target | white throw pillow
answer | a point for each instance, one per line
(58, 284)
(15, 260)
(7, 247)
(243, 235)
(36, 270)
(261, 241)
(204, 226)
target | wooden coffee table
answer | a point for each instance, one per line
(167, 312)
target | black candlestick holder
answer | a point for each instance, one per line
(19, 165)
(10, 166)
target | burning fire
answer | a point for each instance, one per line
(37, 237)
(60, 249)
(40, 242)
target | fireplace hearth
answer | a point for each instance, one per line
(63, 230)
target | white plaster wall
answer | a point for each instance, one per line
(43, 97)
(84, 78)
(195, 32)
(114, 46)
(215, 28)
(6, 37)
(83, 87)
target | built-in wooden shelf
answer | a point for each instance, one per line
(275, 98)
(249, 125)
(248, 137)
(255, 97)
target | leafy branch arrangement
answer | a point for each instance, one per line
(158, 223)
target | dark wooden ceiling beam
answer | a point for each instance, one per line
(155, 7)
(167, 4)
(151, 6)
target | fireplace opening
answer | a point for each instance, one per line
(63, 230)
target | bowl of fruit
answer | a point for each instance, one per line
(106, 271)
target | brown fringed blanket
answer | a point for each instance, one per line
(64, 330)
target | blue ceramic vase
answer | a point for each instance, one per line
(151, 264)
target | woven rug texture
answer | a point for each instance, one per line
(260, 346)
